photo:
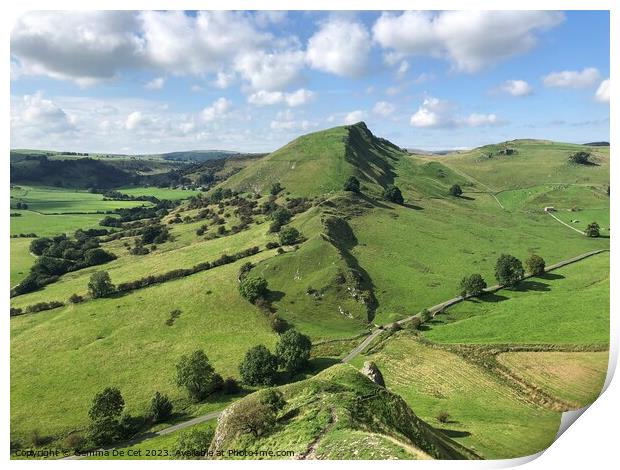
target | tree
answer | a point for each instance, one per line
(289, 236)
(393, 194)
(39, 245)
(97, 256)
(273, 398)
(508, 270)
(276, 188)
(253, 417)
(593, 230)
(352, 184)
(108, 403)
(259, 366)
(161, 407)
(280, 217)
(193, 443)
(472, 285)
(455, 190)
(253, 288)
(293, 350)
(196, 374)
(100, 285)
(535, 265)
(581, 158)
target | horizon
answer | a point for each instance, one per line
(144, 82)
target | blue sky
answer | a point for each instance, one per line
(151, 82)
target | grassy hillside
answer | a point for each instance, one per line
(568, 306)
(339, 414)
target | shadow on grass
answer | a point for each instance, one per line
(530, 285)
(412, 206)
(550, 276)
(467, 198)
(452, 433)
(490, 297)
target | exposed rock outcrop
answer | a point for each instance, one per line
(371, 371)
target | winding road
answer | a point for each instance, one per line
(352, 354)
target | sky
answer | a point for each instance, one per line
(148, 82)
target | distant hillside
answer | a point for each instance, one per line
(597, 144)
(339, 413)
(198, 155)
(320, 162)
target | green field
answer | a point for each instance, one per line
(21, 259)
(568, 306)
(576, 377)
(486, 415)
(49, 225)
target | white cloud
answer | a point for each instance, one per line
(516, 88)
(403, 68)
(602, 92)
(224, 79)
(37, 115)
(155, 84)
(572, 78)
(269, 98)
(471, 40)
(437, 113)
(219, 108)
(383, 108)
(134, 120)
(270, 71)
(340, 47)
(354, 117)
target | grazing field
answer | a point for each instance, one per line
(160, 193)
(125, 342)
(576, 377)
(49, 225)
(567, 306)
(59, 201)
(21, 259)
(485, 414)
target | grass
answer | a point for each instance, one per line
(21, 259)
(57, 201)
(576, 377)
(568, 306)
(49, 225)
(160, 193)
(125, 342)
(486, 415)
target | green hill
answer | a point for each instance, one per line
(338, 414)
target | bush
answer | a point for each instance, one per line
(39, 245)
(593, 230)
(293, 350)
(97, 256)
(278, 324)
(129, 426)
(41, 306)
(230, 386)
(472, 285)
(104, 431)
(259, 366)
(352, 184)
(253, 288)
(100, 285)
(272, 245)
(74, 441)
(580, 158)
(508, 270)
(275, 189)
(535, 265)
(443, 417)
(393, 194)
(253, 417)
(76, 299)
(193, 443)
(394, 327)
(455, 190)
(273, 399)
(161, 407)
(425, 315)
(289, 236)
(281, 216)
(414, 323)
(108, 403)
(14, 311)
(196, 374)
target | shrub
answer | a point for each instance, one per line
(39, 245)
(425, 315)
(253, 417)
(443, 417)
(100, 285)
(293, 350)
(393, 194)
(278, 324)
(128, 426)
(14, 311)
(455, 190)
(41, 306)
(230, 386)
(352, 184)
(97, 256)
(76, 299)
(472, 285)
(74, 441)
(37, 439)
(593, 230)
(253, 288)
(259, 366)
(104, 431)
(281, 216)
(273, 399)
(508, 270)
(161, 407)
(245, 269)
(196, 374)
(535, 265)
(289, 236)
(394, 327)
(581, 158)
(275, 189)
(108, 403)
(193, 443)
(272, 245)
(414, 323)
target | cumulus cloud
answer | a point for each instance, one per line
(155, 84)
(572, 78)
(134, 120)
(354, 117)
(602, 92)
(471, 40)
(35, 114)
(403, 68)
(269, 98)
(383, 108)
(438, 113)
(516, 88)
(340, 47)
(219, 108)
(270, 71)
